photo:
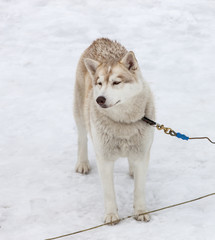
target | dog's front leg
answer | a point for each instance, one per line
(105, 168)
(140, 171)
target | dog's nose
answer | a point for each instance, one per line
(101, 100)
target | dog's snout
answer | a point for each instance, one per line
(101, 100)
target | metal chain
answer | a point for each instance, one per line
(166, 130)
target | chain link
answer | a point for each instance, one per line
(166, 130)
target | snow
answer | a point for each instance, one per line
(41, 196)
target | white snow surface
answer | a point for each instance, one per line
(41, 41)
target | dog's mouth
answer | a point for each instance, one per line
(105, 106)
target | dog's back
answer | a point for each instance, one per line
(104, 50)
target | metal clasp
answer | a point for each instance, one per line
(166, 129)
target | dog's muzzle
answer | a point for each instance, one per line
(102, 100)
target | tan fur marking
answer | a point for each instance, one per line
(105, 51)
(125, 79)
(104, 70)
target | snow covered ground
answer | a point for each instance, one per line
(40, 43)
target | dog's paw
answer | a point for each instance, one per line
(143, 217)
(112, 218)
(82, 167)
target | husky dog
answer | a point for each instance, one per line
(111, 97)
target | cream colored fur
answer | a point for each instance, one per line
(107, 69)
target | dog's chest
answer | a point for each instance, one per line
(123, 139)
(123, 147)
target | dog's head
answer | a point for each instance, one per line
(114, 84)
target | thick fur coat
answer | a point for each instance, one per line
(111, 97)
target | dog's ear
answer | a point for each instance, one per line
(130, 61)
(91, 66)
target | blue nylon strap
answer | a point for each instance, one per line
(182, 136)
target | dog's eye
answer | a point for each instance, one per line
(99, 83)
(116, 83)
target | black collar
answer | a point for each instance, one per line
(149, 121)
